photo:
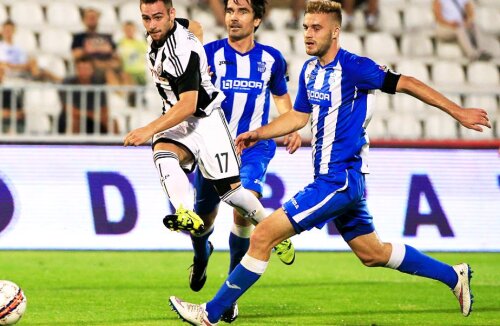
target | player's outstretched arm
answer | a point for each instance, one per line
(286, 123)
(184, 108)
(472, 118)
(292, 141)
(245, 140)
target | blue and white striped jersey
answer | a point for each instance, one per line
(339, 96)
(247, 79)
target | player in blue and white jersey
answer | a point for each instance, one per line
(192, 129)
(334, 88)
(249, 74)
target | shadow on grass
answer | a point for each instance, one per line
(302, 313)
(252, 317)
(117, 321)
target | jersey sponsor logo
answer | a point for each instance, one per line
(317, 97)
(225, 62)
(242, 85)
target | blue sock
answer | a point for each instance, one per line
(201, 247)
(416, 263)
(235, 285)
(237, 249)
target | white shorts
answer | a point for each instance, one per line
(210, 142)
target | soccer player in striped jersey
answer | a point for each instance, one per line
(248, 73)
(192, 129)
(334, 87)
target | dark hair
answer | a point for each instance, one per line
(258, 6)
(83, 59)
(325, 7)
(168, 3)
(9, 22)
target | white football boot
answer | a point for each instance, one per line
(195, 314)
(462, 290)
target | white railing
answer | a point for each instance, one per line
(127, 107)
(48, 113)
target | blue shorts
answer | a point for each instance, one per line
(338, 197)
(254, 162)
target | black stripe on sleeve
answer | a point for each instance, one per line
(190, 80)
(390, 82)
(174, 58)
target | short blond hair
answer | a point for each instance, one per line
(325, 7)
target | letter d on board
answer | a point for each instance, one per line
(97, 182)
(6, 206)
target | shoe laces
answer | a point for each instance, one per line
(283, 246)
(196, 310)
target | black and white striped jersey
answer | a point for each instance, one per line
(180, 65)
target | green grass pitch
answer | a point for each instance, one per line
(320, 288)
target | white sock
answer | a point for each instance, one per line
(397, 255)
(173, 179)
(254, 265)
(242, 231)
(245, 203)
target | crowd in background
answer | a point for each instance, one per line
(98, 58)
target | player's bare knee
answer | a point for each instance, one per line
(259, 240)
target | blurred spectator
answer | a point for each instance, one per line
(132, 52)
(88, 105)
(297, 10)
(15, 60)
(217, 8)
(11, 104)
(455, 21)
(100, 48)
(371, 14)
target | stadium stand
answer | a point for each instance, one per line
(3, 13)
(418, 18)
(56, 41)
(127, 11)
(352, 42)
(64, 15)
(26, 39)
(446, 50)
(389, 52)
(27, 14)
(390, 20)
(417, 45)
(270, 37)
(52, 63)
(414, 68)
(405, 42)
